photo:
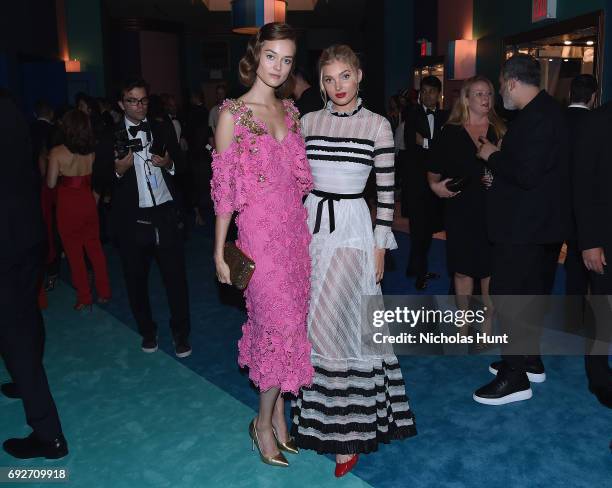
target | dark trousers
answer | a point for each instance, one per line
(421, 231)
(523, 269)
(22, 339)
(162, 240)
(576, 288)
(596, 360)
(425, 216)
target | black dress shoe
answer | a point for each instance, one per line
(431, 276)
(603, 394)
(534, 369)
(420, 283)
(31, 447)
(9, 390)
(182, 348)
(507, 387)
(149, 345)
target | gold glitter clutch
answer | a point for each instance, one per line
(241, 266)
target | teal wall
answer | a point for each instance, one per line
(84, 30)
(494, 20)
(399, 45)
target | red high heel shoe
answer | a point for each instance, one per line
(343, 468)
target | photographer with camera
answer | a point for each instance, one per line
(140, 161)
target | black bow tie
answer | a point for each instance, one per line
(429, 112)
(143, 126)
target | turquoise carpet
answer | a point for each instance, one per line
(139, 420)
(145, 420)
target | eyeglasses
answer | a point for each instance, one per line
(135, 101)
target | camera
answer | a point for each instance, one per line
(123, 144)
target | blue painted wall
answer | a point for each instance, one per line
(84, 29)
(399, 45)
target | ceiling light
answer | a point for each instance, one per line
(565, 60)
(590, 43)
(550, 60)
(567, 43)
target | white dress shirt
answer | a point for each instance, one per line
(146, 172)
(431, 120)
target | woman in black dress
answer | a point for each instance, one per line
(468, 247)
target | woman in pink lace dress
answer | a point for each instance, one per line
(260, 171)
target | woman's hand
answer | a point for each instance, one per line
(439, 188)
(379, 260)
(223, 271)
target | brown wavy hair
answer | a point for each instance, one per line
(273, 31)
(336, 52)
(78, 134)
(460, 114)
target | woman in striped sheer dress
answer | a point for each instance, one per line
(357, 399)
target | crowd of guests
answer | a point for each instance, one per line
(507, 194)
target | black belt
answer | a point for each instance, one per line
(330, 198)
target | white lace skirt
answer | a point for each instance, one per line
(357, 399)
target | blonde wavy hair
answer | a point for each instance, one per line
(460, 114)
(336, 52)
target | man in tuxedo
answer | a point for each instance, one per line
(146, 215)
(528, 214)
(583, 90)
(592, 173)
(22, 252)
(422, 125)
(44, 136)
(42, 129)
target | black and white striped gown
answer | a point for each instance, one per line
(357, 398)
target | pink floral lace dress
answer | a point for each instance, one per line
(264, 179)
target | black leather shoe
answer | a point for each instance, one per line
(535, 370)
(603, 394)
(149, 345)
(420, 283)
(9, 390)
(507, 387)
(31, 447)
(182, 348)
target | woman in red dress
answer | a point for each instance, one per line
(70, 167)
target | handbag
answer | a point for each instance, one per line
(241, 266)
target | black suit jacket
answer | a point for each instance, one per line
(415, 121)
(124, 190)
(43, 134)
(21, 225)
(415, 187)
(592, 180)
(576, 118)
(529, 201)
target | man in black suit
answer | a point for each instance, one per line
(528, 212)
(42, 129)
(145, 215)
(583, 91)
(592, 173)
(22, 251)
(422, 125)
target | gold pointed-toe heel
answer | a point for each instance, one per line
(289, 446)
(276, 460)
